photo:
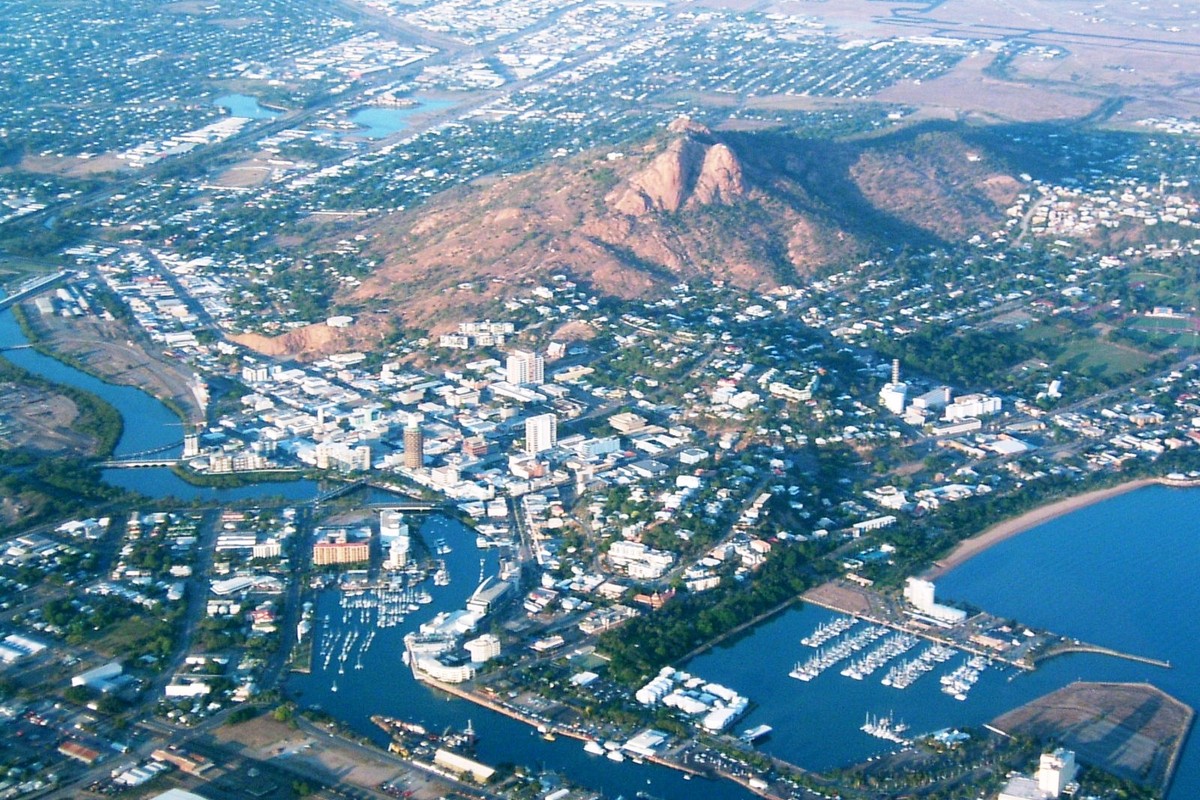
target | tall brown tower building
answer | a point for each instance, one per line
(414, 446)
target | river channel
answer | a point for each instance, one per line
(148, 425)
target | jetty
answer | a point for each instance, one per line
(1082, 647)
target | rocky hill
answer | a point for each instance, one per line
(755, 209)
(692, 171)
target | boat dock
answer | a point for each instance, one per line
(754, 734)
(980, 635)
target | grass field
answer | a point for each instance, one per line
(14, 269)
(1081, 353)
(1165, 332)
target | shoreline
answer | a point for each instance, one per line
(999, 532)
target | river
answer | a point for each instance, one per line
(148, 425)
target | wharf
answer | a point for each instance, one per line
(480, 699)
(872, 607)
(670, 760)
(302, 656)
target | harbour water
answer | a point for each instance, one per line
(385, 686)
(1119, 573)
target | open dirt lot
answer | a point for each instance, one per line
(1133, 730)
(326, 758)
(841, 596)
(1057, 58)
(109, 350)
(32, 419)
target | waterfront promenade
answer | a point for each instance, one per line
(673, 758)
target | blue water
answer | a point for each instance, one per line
(148, 424)
(1120, 573)
(244, 105)
(380, 121)
(385, 686)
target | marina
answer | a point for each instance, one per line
(828, 631)
(904, 674)
(892, 647)
(960, 681)
(839, 651)
(957, 683)
(886, 728)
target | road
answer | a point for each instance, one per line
(289, 616)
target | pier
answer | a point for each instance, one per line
(507, 710)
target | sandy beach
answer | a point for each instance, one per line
(1011, 527)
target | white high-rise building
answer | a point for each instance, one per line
(970, 406)
(541, 433)
(524, 368)
(398, 550)
(920, 594)
(894, 393)
(391, 524)
(485, 648)
(1055, 771)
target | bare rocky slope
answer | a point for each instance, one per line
(754, 209)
